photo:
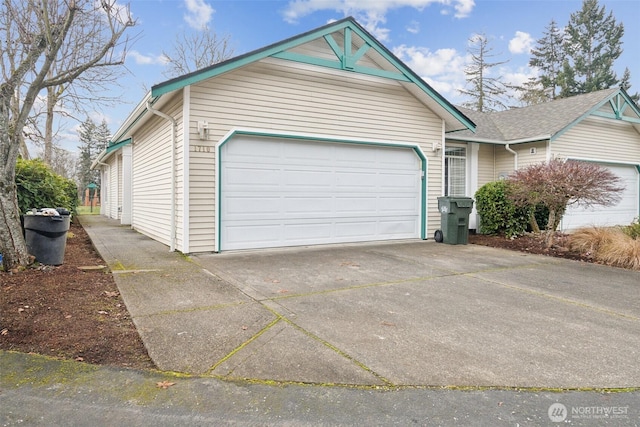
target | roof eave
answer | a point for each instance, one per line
(445, 107)
(474, 138)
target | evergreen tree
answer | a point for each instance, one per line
(624, 84)
(548, 56)
(93, 139)
(485, 92)
(531, 92)
(593, 42)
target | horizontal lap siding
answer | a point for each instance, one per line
(151, 190)
(276, 96)
(486, 164)
(599, 139)
(526, 158)
(504, 161)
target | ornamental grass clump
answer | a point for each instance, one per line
(609, 245)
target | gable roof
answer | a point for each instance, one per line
(551, 119)
(355, 36)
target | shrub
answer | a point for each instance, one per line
(633, 230)
(498, 213)
(39, 187)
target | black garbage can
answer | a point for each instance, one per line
(46, 237)
(454, 217)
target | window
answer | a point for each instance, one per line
(455, 171)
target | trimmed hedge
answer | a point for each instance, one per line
(498, 214)
(39, 187)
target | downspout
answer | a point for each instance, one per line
(174, 132)
(515, 157)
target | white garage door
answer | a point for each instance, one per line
(281, 192)
(621, 214)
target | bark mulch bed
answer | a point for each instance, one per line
(531, 243)
(69, 312)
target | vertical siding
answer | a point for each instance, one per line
(151, 192)
(112, 195)
(281, 97)
(599, 139)
(119, 193)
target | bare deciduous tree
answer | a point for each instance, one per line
(37, 31)
(486, 91)
(196, 50)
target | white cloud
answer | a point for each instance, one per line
(521, 43)
(372, 14)
(142, 59)
(199, 13)
(442, 69)
(463, 8)
(519, 76)
(413, 27)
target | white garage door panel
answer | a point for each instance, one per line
(622, 213)
(281, 192)
(251, 175)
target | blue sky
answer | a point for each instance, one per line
(431, 36)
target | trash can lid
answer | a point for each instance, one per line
(468, 203)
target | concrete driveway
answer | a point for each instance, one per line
(394, 314)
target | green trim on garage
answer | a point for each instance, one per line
(266, 134)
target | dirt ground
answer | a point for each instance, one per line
(531, 243)
(73, 313)
(68, 312)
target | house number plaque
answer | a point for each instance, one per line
(201, 149)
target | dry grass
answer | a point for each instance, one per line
(611, 246)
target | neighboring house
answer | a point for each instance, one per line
(601, 127)
(326, 137)
(307, 142)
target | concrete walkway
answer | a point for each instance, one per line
(393, 314)
(411, 333)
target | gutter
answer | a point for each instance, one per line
(133, 117)
(98, 160)
(174, 132)
(537, 138)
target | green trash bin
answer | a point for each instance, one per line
(454, 216)
(46, 237)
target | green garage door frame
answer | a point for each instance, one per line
(315, 138)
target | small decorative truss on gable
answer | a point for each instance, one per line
(619, 108)
(349, 47)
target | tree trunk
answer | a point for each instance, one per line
(48, 127)
(551, 227)
(12, 244)
(533, 223)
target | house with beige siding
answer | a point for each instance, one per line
(601, 127)
(327, 137)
